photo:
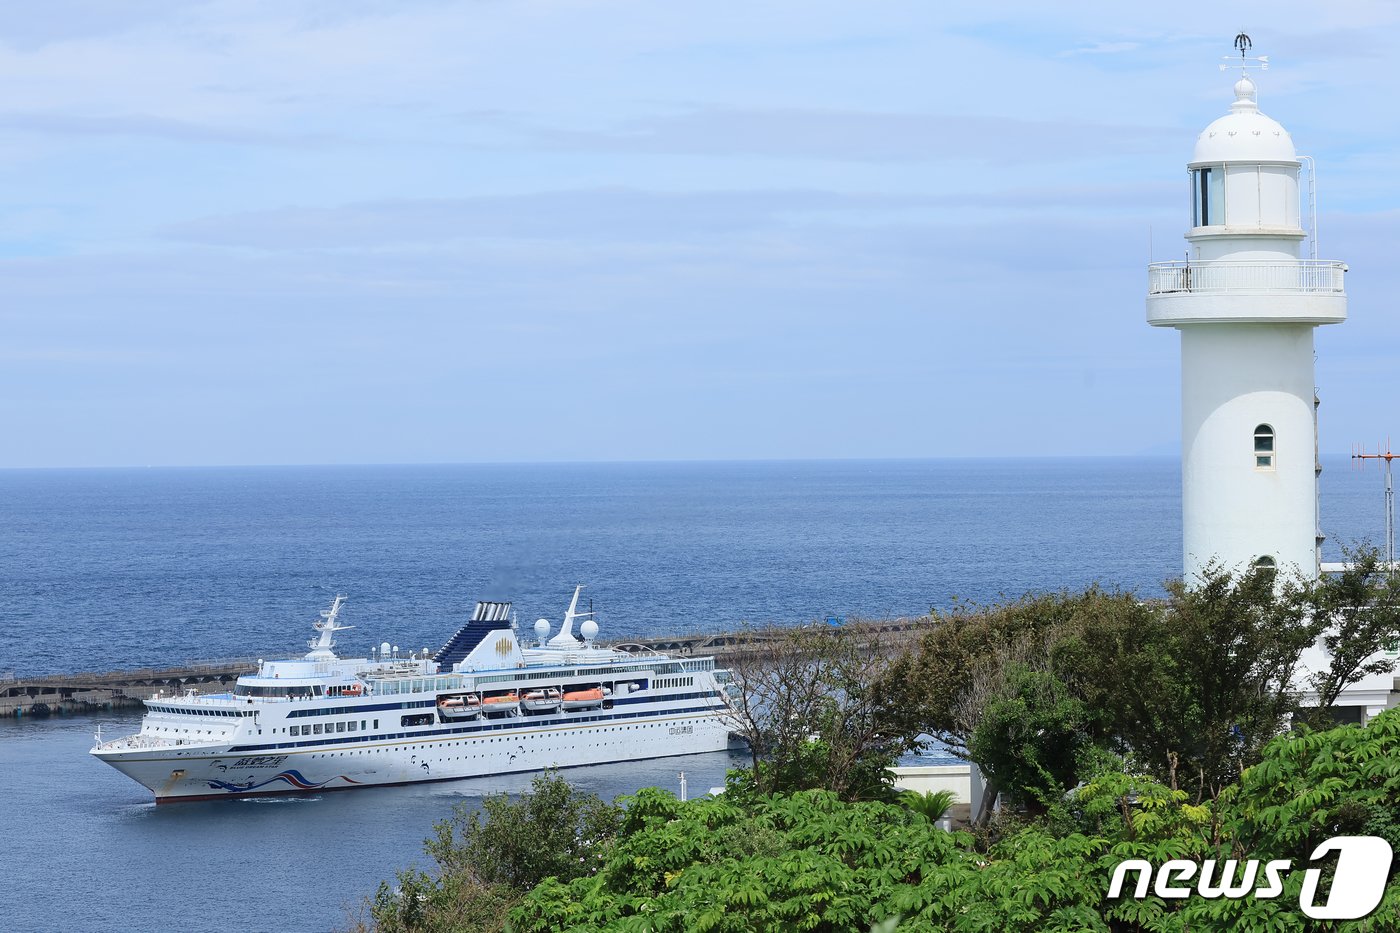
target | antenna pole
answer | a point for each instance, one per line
(1387, 458)
(1389, 515)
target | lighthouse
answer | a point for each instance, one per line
(1246, 303)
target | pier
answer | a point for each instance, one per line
(89, 692)
(61, 694)
(721, 645)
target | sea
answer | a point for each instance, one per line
(118, 569)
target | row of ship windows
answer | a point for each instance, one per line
(231, 713)
(350, 725)
(342, 710)
(441, 745)
(315, 728)
(512, 724)
(674, 682)
(456, 682)
(362, 725)
(420, 719)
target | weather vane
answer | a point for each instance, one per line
(1245, 62)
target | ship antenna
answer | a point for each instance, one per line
(565, 637)
(321, 646)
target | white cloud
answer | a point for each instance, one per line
(1104, 48)
(255, 201)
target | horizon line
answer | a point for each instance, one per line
(658, 461)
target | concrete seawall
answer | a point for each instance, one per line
(59, 694)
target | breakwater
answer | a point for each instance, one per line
(58, 694)
(63, 694)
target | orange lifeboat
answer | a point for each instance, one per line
(459, 707)
(501, 703)
(542, 700)
(588, 698)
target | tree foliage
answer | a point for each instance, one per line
(932, 805)
(960, 663)
(814, 712)
(550, 831)
(1197, 685)
(810, 861)
(484, 859)
(1356, 616)
(1033, 736)
(1040, 691)
(1129, 729)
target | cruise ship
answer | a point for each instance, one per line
(483, 704)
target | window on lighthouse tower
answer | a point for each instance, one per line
(1208, 196)
(1263, 447)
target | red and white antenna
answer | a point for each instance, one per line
(1358, 453)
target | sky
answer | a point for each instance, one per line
(349, 231)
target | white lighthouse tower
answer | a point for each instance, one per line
(1246, 303)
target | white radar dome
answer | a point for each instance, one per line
(542, 627)
(589, 630)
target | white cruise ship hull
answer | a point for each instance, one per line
(321, 722)
(194, 772)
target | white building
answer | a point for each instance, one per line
(1246, 303)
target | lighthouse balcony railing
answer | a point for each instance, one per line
(1224, 277)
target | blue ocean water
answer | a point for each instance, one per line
(105, 569)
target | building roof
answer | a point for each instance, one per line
(1244, 134)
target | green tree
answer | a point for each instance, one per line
(1308, 787)
(1196, 686)
(997, 686)
(932, 805)
(421, 903)
(825, 864)
(943, 684)
(1193, 686)
(550, 831)
(485, 859)
(1356, 615)
(815, 714)
(811, 861)
(1033, 737)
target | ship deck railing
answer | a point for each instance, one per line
(137, 741)
(201, 699)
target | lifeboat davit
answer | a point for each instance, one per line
(542, 700)
(589, 698)
(466, 706)
(500, 704)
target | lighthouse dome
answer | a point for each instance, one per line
(1244, 134)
